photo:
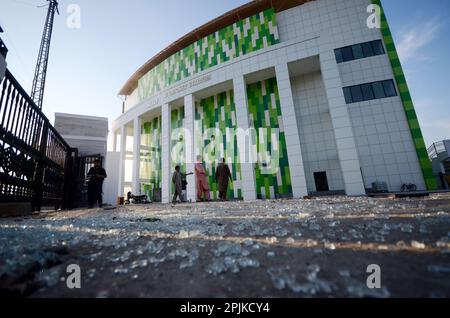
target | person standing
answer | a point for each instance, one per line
(96, 176)
(202, 181)
(223, 176)
(177, 179)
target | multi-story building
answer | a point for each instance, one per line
(439, 154)
(86, 133)
(317, 85)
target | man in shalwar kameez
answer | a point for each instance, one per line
(202, 181)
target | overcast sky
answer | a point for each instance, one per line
(88, 65)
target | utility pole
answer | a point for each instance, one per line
(37, 91)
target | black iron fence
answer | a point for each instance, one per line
(35, 161)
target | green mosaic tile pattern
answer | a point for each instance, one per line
(150, 169)
(407, 102)
(265, 112)
(177, 141)
(215, 127)
(243, 37)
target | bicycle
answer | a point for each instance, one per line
(409, 187)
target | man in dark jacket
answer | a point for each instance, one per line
(96, 176)
(223, 176)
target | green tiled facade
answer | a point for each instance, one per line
(177, 141)
(214, 115)
(265, 112)
(408, 105)
(150, 169)
(243, 37)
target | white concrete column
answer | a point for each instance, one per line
(114, 140)
(189, 125)
(345, 141)
(242, 121)
(136, 189)
(123, 140)
(165, 153)
(291, 132)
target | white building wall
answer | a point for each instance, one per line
(384, 143)
(290, 127)
(316, 132)
(132, 100)
(316, 29)
(110, 190)
(385, 146)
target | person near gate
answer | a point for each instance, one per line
(96, 176)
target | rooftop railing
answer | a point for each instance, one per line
(435, 149)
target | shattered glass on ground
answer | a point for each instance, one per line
(278, 248)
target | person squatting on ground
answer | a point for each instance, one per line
(202, 181)
(223, 176)
(96, 176)
(177, 179)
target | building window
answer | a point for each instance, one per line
(389, 88)
(347, 54)
(348, 95)
(378, 90)
(378, 48)
(339, 57)
(369, 91)
(367, 49)
(359, 51)
(357, 95)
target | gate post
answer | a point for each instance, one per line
(39, 173)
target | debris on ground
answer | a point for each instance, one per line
(319, 247)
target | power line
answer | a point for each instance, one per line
(27, 4)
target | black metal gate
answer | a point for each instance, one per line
(36, 164)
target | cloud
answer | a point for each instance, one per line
(412, 40)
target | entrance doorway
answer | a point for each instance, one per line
(321, 181)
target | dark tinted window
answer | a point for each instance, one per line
(357, 51)
(378, 90)
(357, 95)
(347, 53)
(367, 92)
(348, 95)
(338, 54)
(389, 88)
(367, 49)
(377, 47)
